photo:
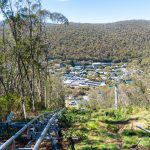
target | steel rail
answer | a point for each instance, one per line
(12, 139)
(140, 127)
(43, 134)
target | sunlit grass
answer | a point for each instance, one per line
(145, 142)
(100, 130)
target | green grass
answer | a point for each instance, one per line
(129, 142)
(95, 133)
(92, 125)
(145, 142)
(109, 146)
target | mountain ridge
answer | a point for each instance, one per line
(120, 41)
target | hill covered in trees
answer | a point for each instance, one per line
(120, 41)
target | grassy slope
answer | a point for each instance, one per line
(98, 129)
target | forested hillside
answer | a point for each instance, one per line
(121, 41)
(25, 84)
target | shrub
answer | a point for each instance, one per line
(116, 115)
(8, 103)
(128, 133)
(92, 125)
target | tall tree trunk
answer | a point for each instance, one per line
(22, 89)
(31, 55)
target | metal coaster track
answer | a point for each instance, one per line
(145, 130)
(44, 124)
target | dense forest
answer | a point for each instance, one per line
(120, 41)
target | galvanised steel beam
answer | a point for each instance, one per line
(43, 134)
(140, 127)
(12, 139)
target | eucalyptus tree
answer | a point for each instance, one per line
(28, 45)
